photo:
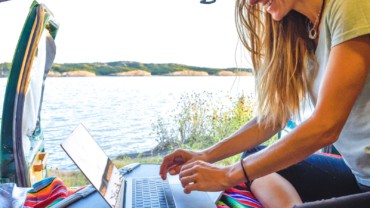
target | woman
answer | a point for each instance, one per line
(303, 52)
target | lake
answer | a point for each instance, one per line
(119, 112)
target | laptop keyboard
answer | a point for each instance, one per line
(152, 193)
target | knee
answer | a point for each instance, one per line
(275, 191)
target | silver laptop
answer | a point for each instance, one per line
(119, 191)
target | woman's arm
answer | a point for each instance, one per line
(346, 73)
(248, 136)
(345, 77)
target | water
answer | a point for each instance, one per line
(118, 111)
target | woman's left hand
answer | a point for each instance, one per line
(202, 176)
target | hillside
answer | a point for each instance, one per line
(129, 68)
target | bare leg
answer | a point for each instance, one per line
(275, 191)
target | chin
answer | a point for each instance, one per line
(277, 16)
(277, 19)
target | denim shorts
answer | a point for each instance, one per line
(319, 177)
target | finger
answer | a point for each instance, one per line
(175, 169)
(191, 168)
(188, 180)
(191, 187)
(177, 163)
(164, 166)
(170, 162)
(191, 165)
(187, 166)
(185, 172)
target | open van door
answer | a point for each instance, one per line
(22, 153)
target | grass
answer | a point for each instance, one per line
(77, 178)
(70, 178)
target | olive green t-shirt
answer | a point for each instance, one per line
(344, 20)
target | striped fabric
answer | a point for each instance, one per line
(46, 192)
(238, 197)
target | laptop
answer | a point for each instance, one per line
(121, 192)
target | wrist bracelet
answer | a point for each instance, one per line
(248, 182)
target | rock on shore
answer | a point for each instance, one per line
(188, 73)
(230, 73)
(133, 73)
(72, 74)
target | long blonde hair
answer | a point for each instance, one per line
(280, 52)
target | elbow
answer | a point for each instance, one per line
(326, 131)
(329, 136)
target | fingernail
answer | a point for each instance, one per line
(172, 172)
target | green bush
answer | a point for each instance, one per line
(202, 120)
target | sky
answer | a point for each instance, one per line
(147, 31)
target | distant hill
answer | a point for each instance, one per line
(129, 68)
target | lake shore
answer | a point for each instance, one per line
(81, 73)
(132, 68)
(140, 73)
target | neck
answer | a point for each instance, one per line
(309, 8)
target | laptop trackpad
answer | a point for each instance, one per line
(196, 199)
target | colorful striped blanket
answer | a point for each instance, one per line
(238, 197)
(47, 192)
(50, 191)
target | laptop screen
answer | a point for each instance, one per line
(94, 163)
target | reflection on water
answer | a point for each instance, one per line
(119, 111)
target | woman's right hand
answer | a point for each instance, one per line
(173, 162)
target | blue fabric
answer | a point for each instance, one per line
(11, 196)
(41, 184)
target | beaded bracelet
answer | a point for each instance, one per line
(248, 182)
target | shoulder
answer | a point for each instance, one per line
(347, 19)
(348, 9)
(351, 7)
